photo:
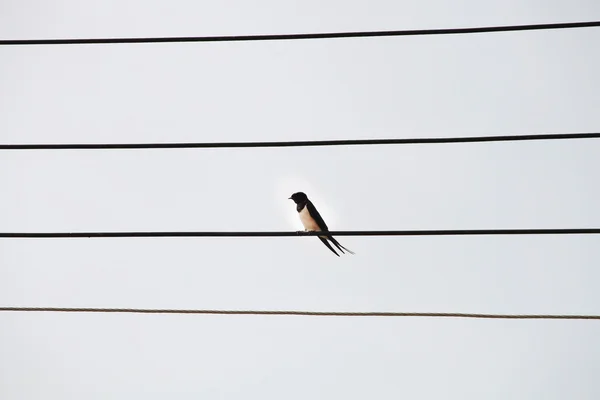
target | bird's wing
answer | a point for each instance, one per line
(316, 216)
(323, 226)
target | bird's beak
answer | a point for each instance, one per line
(289, 198)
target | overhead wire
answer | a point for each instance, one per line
(303, 36)
(299, 313)
(433, 232)
(334, 35)
(301, 143)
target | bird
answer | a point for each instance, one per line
(312, 221)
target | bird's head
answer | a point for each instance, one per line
(299, 197)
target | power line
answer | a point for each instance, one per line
(301, 36)
(448, 232)
(296, 313)
(302, 143)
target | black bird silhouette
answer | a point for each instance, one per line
(312, 221)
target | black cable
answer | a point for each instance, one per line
(298, 36)
(296, 313)
(451, 232)
(303, 143)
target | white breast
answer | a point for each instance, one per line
(308, 222)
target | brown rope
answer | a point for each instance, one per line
(298, 313)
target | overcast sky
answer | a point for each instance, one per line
(399, 87)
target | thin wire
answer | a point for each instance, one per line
(301, 36)
(296, 313)
(449, 232)
(302, 143)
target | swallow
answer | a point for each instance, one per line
(312, 221)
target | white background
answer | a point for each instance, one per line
(402, 87)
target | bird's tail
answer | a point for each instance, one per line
(339, 246)
(326, 243)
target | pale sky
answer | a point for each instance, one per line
(399, 87)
